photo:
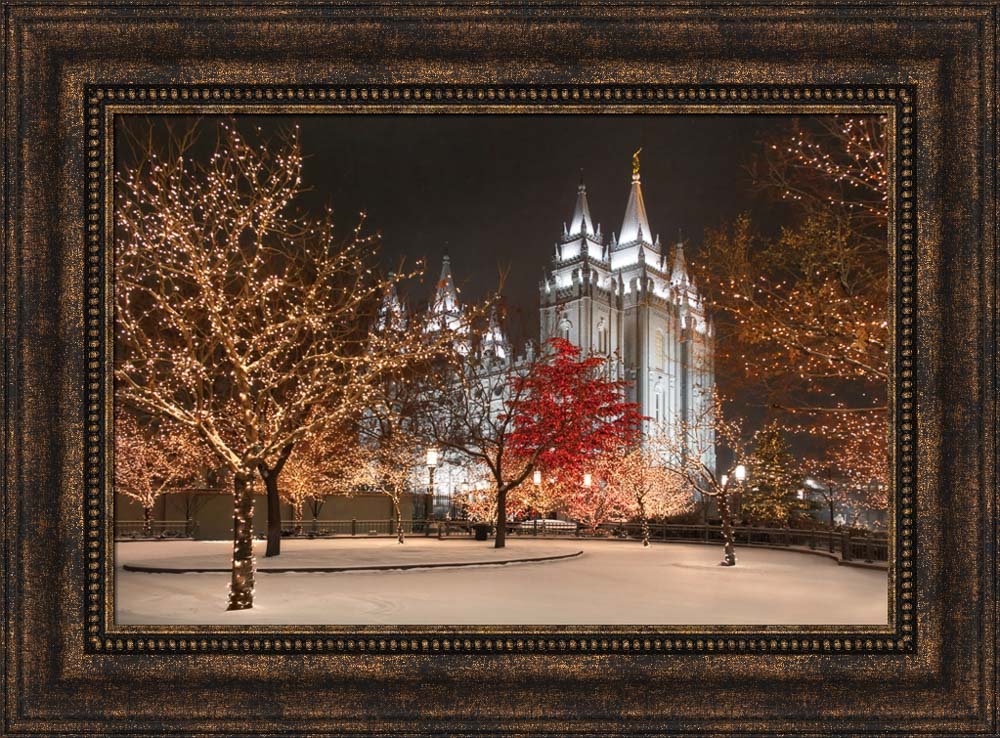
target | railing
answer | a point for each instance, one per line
(136, 529)
(356, 528)
(848, 545)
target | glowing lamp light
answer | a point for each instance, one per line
(536, 478)
(740, 472)
(587, 479)
(725, 480)
(432, 457)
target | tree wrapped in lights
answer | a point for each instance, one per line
(326, 464)
(688, 453)
(477, 500)
(853, 474)
(802, 318)
(645, 488)
(152, 459)
(592, 501)
(390, 469)
(553, 411)
(837, 161)
(240, 318)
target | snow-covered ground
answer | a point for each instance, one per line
(612, 582)
(335, 553)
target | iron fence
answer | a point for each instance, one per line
(355, 528)
(848, 545)
(136, 529)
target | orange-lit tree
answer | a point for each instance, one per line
(238, 316)
(802, 317)
(322, 465)
(647, 488)
(152, 459)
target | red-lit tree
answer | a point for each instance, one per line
(569, 395)
(554, 411)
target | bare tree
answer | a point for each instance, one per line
(688, 452)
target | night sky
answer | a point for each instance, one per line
(494, 190)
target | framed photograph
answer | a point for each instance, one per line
(458, 369)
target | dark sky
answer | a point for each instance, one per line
(495, 190)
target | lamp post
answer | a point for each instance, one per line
(432, 462)
(739, 474)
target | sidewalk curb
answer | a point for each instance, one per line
(344, 569)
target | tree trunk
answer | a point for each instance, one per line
(645, 523)
(399, 520)
(147, 521)
(270, 476)
(273, 514)
(501, 536)
(727, 530)
(297, 517)
(241, 587)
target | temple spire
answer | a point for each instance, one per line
(494, 342)
(635, 226)
(581, 221)
(445, 294)
(678, 275)
(392, 313)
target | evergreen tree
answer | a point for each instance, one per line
(770, 493)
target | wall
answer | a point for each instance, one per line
(213, 513)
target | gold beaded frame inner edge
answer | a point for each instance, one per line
(104, 102)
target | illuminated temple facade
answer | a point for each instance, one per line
(632, 299)
(626, 297)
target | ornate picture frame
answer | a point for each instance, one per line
(70, 69)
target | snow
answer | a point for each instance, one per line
(612, 582)
(334, 553)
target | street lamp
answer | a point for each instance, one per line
(739, 474)
(536, 478)
(432, 462)
(587, 479)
